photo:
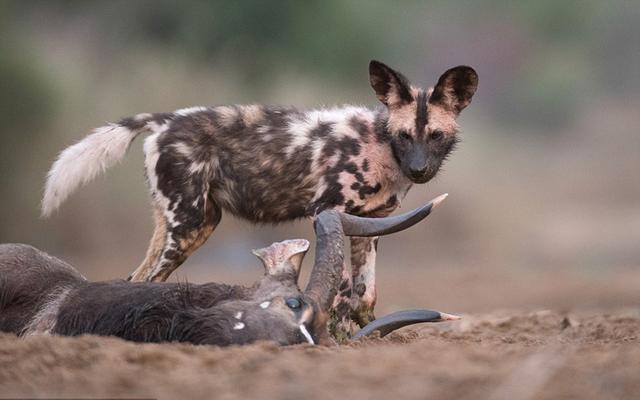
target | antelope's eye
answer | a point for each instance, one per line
(436, 135)
(293, 303)
(404, 135)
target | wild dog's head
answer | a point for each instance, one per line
(422, 123)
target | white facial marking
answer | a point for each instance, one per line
(265, 304)
(306, 334)
(238, 326)
(239, 315)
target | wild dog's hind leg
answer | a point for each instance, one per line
(174, 241)
(158, 240)
(186, 236)
(184, 210)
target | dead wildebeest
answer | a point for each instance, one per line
(41, 294)
(276, 164)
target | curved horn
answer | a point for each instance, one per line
(330, 227)
(359, 226)
(389, 323)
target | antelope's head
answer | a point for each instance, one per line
(278, 310)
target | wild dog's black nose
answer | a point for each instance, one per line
(418, 172)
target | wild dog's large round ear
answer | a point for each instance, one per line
(283, 259)
(455, 88)
(391, 87)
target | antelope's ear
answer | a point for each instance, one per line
(283, 259)
(391, 87)
(455, 88)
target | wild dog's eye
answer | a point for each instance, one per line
(293, 303)
(436, 135)
(404, 135)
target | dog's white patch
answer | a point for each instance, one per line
(197, 167)
(227, 115)
(343, 129)
(190, 110)
(156, 127)
(300, 127)
(238, 326)
(183, 149)
(316, 151)
(300, 130)
(152, 154)
(239, 315)
(306, 334)
(251, 114)
(142, 116)
(265, 304)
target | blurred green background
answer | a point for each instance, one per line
(544, 206)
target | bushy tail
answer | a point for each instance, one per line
(82, 162)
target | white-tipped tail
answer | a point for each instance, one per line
(82, 162)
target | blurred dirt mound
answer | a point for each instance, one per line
(542, 355)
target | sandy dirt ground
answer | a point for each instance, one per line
(509, 355)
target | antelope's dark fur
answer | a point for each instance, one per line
(32, 282)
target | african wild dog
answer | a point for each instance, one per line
(40, 294)
(274, 164)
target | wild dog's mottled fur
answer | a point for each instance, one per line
(274, 164)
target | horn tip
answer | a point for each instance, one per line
(449, 317)
(439, 199)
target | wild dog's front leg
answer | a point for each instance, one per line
(363, 271)
(341, 326)
(356, 296)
